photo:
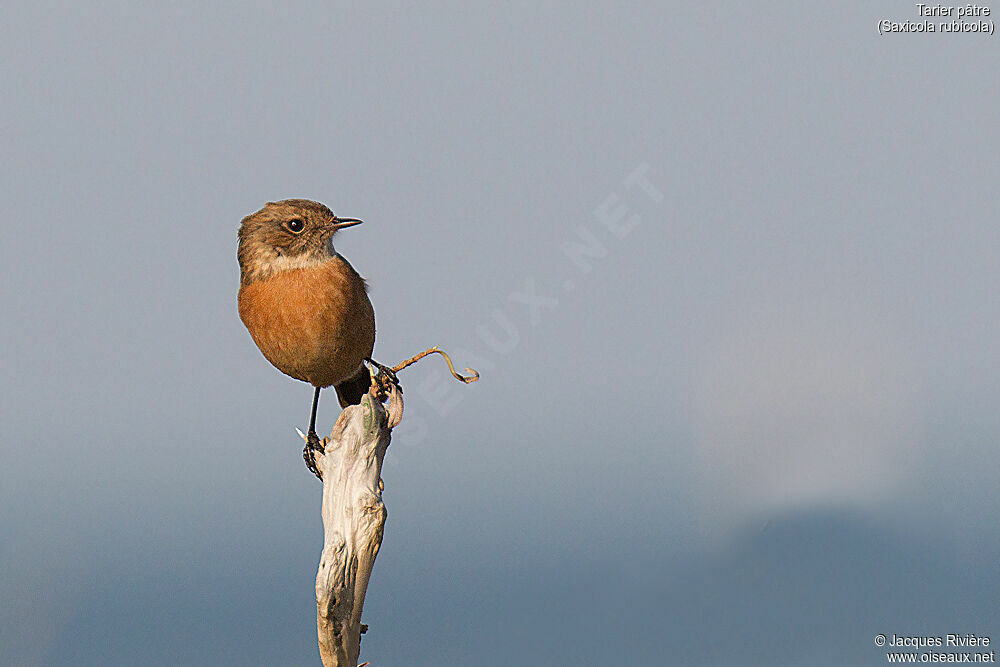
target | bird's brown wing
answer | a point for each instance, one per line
(352, 389)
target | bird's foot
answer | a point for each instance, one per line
(313, 445)
(386, 376)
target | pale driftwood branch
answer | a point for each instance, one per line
(353, 520)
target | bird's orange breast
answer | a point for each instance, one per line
(315, 324)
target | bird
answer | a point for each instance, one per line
(303, 303)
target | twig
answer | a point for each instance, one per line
(467, 379)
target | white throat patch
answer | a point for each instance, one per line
(286, 263)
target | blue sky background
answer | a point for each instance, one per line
(757, 425)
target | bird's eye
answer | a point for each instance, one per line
(296, 225)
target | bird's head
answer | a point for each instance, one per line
(287, 234)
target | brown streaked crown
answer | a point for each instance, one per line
(283, 233)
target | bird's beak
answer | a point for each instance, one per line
(344, 223)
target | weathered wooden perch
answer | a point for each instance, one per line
(350, 465)
(353, 520)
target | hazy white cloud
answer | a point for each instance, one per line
(795, 409)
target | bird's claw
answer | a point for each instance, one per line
(313, 445)
(386, 376)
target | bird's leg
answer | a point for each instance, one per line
(313, 443)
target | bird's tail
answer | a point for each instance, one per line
(353, 388)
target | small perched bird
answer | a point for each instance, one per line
(305, 306)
